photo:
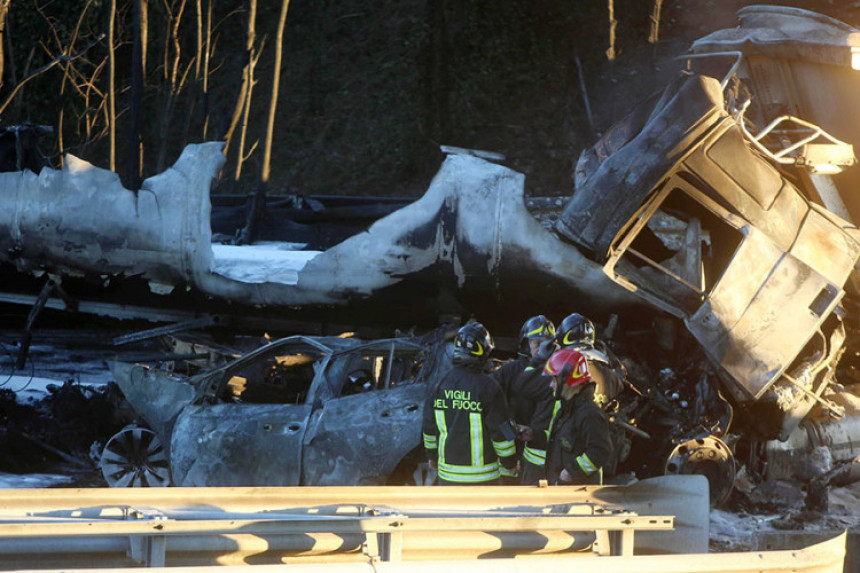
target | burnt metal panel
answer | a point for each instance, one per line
(823, 245)
(359, 439)
(156, 396)
(239, 444)
(689, 109)
(726, 169)
(757, 346)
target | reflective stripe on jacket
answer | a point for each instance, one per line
(462, 428)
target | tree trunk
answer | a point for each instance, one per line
(112, 84)
(613, 23)
(258, 203)
(206, 54)
(144, 34)
(246, 77)
(654, 36)
(4, 10)
(174, 86)
(136, 96)
(249, 86)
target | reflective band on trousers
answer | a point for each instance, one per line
(508, 472)
(534, 456)
(585, 464)
(505, 448)
(468, 474)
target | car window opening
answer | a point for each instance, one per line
(278, 378)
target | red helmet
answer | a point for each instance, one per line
(569, 366)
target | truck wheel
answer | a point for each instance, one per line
(135, 457)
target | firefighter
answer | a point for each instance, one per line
(530, 400)
(607, 372)
(579, 442)
(468, 436)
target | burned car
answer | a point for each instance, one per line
(298, 411)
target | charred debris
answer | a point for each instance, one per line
(711, 234)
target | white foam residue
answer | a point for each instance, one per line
(262, 262)
(9, 481)
(28, 388)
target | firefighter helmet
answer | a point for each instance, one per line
(536, 328)
(576, 330)
(569, 366)
(473, 344)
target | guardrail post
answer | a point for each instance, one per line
(390, 545)
(601, 544)
(148, 550)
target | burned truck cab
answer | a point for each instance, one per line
(683, 211)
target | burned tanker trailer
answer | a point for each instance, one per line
(723, 202)
(469, 244)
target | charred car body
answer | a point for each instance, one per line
(298, 411)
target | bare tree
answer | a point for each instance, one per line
(247, 76)
(70, 72)
(654, 35)
(135, 144)
(38, 72)
(112, 83)
(249, 232)
(613, 23)
(248, 85)
(207, 53)
(175, 78)
(4, 10)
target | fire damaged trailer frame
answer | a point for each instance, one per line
(298, 411)
(683, 211)
(469, 244)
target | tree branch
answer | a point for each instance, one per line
(45, 68)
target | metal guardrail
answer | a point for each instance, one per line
(825, 557)
(369, 528)
(148, 531)
(209, 526)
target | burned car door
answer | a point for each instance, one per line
(249, 430)
(370, 417)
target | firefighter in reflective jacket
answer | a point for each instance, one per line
(468, 436)
(579, 443)
(530, 400)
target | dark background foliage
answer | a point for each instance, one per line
(369, 89)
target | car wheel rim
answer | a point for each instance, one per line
(135, 457)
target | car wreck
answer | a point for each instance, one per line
(298, 411)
